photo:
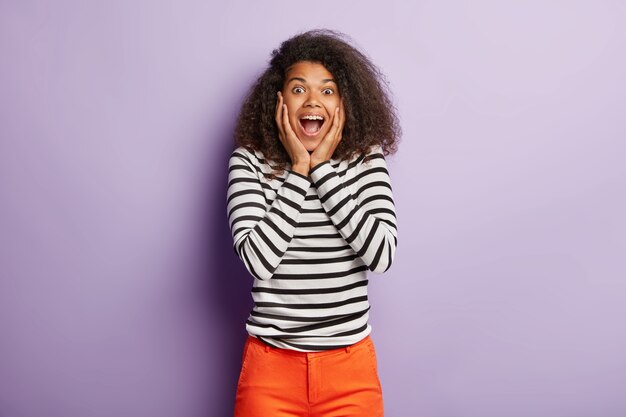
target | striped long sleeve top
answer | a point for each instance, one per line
(309, 242)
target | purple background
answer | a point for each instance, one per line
(120, 294)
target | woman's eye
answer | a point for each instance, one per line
(298, 90)
(327, 91)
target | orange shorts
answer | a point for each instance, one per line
(285, 383)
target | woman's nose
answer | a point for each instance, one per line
(312, 100)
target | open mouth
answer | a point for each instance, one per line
(311, 124)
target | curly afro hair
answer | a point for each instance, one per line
(370, 116)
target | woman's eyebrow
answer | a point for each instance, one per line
(302, 80)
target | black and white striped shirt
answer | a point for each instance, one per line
(309, 242)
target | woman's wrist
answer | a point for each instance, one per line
(302, 169)
(316, 162)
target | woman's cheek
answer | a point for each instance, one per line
(294, 124)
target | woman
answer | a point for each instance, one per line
(311, 211)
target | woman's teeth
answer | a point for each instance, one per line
(311, 124)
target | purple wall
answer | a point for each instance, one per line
(120, 294)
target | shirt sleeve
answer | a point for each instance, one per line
(261, 231)
(367, 218)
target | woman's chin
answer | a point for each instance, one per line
(310, 144)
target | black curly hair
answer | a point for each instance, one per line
(370, 116)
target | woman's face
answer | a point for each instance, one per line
(311, 96)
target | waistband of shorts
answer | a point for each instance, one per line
(346, 349)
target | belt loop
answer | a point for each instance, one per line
(347, 349)
(267, 348)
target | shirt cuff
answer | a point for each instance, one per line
(318, 166)
(298, 180)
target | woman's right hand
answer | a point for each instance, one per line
(300, 158)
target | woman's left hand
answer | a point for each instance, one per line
(327, 146)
